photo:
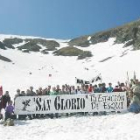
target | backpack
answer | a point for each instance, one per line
(9, 122)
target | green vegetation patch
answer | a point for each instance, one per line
(5, 59)
(30, 46)
(13, 41)
(72, 51)
(81, 41)
(85, 54)
(68, 51)
(49, 44)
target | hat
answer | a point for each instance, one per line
(136, 89)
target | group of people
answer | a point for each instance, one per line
(132, 89)
(67, 89)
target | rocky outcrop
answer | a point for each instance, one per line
(30, 46)
(49, 44)
(5, 59)
(12, 41)
(123, 34)
(73, 51)
(2, 46)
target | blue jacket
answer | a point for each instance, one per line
(110, 89)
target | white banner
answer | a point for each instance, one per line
(71, 103)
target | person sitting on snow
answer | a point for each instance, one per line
(9, 111)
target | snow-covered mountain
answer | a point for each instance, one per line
(26, 61)
(25, 69)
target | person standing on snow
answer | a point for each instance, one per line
(109, 88)
(135, 102)
(5, 99)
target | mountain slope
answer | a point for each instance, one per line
(107, 57)
(129, 33)
(26, 69)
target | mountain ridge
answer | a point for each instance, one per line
(128, 34)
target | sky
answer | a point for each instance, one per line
(65, 19)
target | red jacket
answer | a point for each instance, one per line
(90, 89)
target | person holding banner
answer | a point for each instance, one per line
(96, 89)
(109, 88)
(54, 92)
(90, 88)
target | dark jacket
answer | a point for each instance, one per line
(4, 100)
